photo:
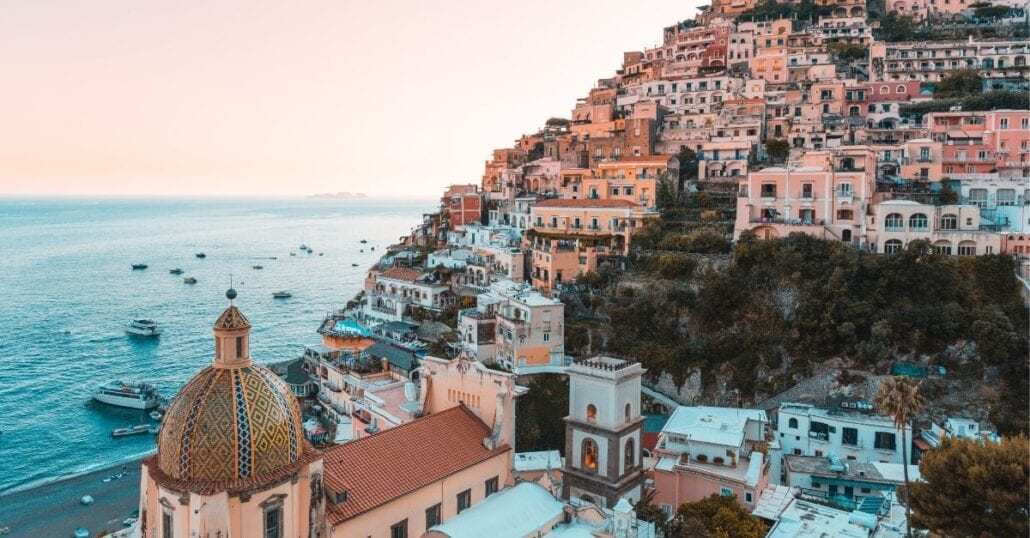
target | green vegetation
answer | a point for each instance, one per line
(536, 153)
(993, 100)
(777, 148)
(961, 83)
(899, 398)
(556, 122)
(974, 489)
(789, 304)
(848, 51)
(539, 413)
(688, 164)
(894, 27)
(716, 516)
(988, 11)
(771, 10)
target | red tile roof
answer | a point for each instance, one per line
(585, 202)
(379, 468)
(401, 273)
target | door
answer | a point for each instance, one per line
(845, 236)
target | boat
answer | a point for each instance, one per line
(81, 532)
(130, 394)
(131, 430)
(293, 254)
(154, 430)
(201, 255)
(321, 253)
(363, 241)
(303, 247)
(353, 265)
(189, 280)
(143, 327)
(136, 266)
(259, 267)
(156, 415)
(310, 250)
(282, 295)
(175, 271)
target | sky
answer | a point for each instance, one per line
(256, 98)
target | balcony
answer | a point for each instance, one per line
(788, 221)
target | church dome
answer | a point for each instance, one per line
(234, 420)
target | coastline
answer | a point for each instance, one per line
(53, 507)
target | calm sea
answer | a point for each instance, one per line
(67, 289)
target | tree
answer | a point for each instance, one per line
(777, 148)
(848, 51)
(715, 516)
(688, 164)
(894, 27)
(961, 83)
(556, 122)
(899, 398)
(974, 488)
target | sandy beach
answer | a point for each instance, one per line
(54, 510)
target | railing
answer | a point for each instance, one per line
(788, 221)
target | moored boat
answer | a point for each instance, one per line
(143, 327)
(259, 267)
(137, 266)
(131, 394)
(156, 415)
(189, 280)
(131, 430)
(176, 271)
(201, 255)
(282, 295)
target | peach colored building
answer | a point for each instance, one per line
(951, 230)
(711, 450)
(826, 195)
(515, 326)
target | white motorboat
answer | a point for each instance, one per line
(130, 394)
(131, 430)
(282, 295)
(143, 327)
(155, 415)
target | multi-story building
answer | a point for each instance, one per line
(950, 229)
(711, 450)
(850, 485)
(515, 326)
(932, 60)
(398, 289)
(464, 204)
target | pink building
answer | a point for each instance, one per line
(982, 142)
(711, 450)
(465, 204)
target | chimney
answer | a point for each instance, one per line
(386, 365)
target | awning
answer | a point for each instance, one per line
(921, 444)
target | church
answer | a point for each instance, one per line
(232, 459)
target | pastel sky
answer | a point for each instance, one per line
(104, 97)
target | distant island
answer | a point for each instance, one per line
(341, 194)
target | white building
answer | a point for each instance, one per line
(514, 325)
(961, 428)
(804, 430)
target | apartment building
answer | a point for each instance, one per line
(950, 229)
(514, 325)
(931, 61)
(398, 289)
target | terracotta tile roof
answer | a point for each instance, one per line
(401, 273)
(584, 202)
(385, 466)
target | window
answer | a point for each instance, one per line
(845, 214)
(591, 413)
(884, 441)
(792, 423)
(547, 337)
(768, 190)
(629, 412)
(726, 492)
(967, 248)
(399, 529)
(949, 222)
(1004, 123)
(806, 190)
(274, 521)
(432, 516)
(629, 457)
(1006, 196)
(239, 347)
(167, 530)
(491, 486)
(589, 455)
(849, 436)
(748, 498)
(892, 246)
(894, 222)
(917, 221)
(464, 500)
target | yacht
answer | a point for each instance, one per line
(310, 250)
(201, 255)
(139, 266)
(259, 267)
(143, 327)
(282, 295)
(131, 430)
(175, 271)
(189, 280)
(303, 247)
(130, 394)
(363, 241)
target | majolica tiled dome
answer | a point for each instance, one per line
(234, 420)
(230, 424)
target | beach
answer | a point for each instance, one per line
(54, 509)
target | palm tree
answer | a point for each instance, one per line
(899, 398)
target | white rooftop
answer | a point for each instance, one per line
(715, 425)
(772, 501)
(803, 519)
(538, 461)
(895, 472)
(515, 511)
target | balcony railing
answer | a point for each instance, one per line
(788, 221)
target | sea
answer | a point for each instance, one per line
(67, 290)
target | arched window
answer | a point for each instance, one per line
(629, 412)
(892, 246)
(900, 89)
(853, 111)
(792, 423)
(967, 248)
(588, 455)
(942, 247)
(885, 90)
(949, 222)
(918, 221)
(591, 413)
(629, 457)
(894, 222)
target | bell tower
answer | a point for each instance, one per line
(602, 432)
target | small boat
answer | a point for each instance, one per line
(132, 394)
(303, 247)
(353, 265)
(143, 327)
(362, 250)
(137, 266)
(189, 280)
(310, 250)
(293, 254)
(259, 267)
(82, 532)
(363, 241)
(321, 253)
(282, 295)
(175, 271)
(154, 430)
(156, 415)
(131, 430)
(272, 258)
(373, 248)
(201, 255)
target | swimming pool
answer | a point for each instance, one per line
(351, 326)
